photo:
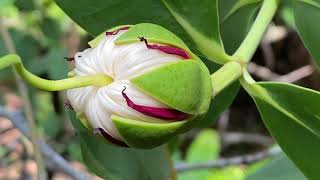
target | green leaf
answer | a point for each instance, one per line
(7, 8)
(51, 63)
(205, 147)
(305, 23)
(201, 22)
(27, 47)
(74, 150)
(57, 66)
(23, 5)
(236, 18)
(95, 16)
(117, 163)
(280, 168)
(228, 173)
(286, 13)
(49, 122)
(51, 30)
(291, 113)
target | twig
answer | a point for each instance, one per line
(267, 53)
(238, 137)
(222, 125)
(223, 162)
(297, 74)
(261, 71)
(273, 34)
(42, 175)
(53, 159)
(294, 76)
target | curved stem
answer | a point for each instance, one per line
(253, 38)
(227, 74)
(51, 85)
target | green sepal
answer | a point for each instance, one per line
(153, 33)
(206, 88)
(171, 84)
(140, 134)
(179, 85)
(94, 43)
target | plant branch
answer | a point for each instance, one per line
(53, 159)
(223, 162)
(250, 138)
(249, 45)
(42, 175)
(294, 76)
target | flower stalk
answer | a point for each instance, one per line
(51, 85)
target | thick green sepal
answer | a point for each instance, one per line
(175, 84)
(152, 32)
(206, 88)
(93, 43)
(146, 135)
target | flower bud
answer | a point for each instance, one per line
(159, 89)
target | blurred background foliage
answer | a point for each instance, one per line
(43, 35)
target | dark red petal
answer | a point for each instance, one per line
(109, 137)
(167, 49)
(161, 113)
(116, 31)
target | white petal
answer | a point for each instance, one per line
(112, 101)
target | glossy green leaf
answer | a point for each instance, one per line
(286, 13)
(23, 5)
(117, 163)
(236, 18)
(227, 173)
(305, 23)
(291, 113)
(279, 168)
(53, 64)
(206, 146)
(95, 16)
(203, 27)
(26, 46)
(49, 122)
(51, 29)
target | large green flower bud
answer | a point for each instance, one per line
(159, 89)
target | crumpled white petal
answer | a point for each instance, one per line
(122, 63)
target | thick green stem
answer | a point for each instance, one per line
(51, 85)
(227, 74)
(249, 45)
